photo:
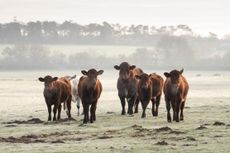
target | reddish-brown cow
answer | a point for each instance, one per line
(150, 88)
(89, 89)
(56, 91)
(175, 89)
(127, 86)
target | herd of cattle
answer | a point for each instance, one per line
(133, 85)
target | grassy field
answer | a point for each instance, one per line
(206, 129)
(24, 126)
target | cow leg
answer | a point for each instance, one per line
(86, 113)
(55, 111)
(49, 111)
(181, 111)
(92, 112)
(136, 105)
(153, 106)
(157, 103)
(78, 106)
(174, 110)
(69, 107)
(122, 99)
(59, 112)
(130, 105)
(168, 107)
(144, 105)
(177, 109)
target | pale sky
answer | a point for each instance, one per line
(203, 16)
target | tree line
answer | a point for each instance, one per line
(68, 32)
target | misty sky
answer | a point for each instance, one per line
(202, 16)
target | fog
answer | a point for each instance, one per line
(165, 47)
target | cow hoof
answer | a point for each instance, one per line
(122, 113)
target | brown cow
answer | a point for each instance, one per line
(89, 89)
(175, 89)
(150, 88)
(56, 91)
(127, 86)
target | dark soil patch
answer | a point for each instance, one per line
(164, 129)
(57, 141)
(11, 125)
(105, 137)
(191, 138)
(110, 112)
(189, 144)
(218, 123)
(176, 132)
(30, 121)
(201, 127)
(162, 143)
(22, 139)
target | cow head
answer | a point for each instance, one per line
(47, 80)
(144, 80)
(174, 75)
(92, 74)
(124, 70)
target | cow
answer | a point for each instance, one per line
(175, 89)
(56, 91)
(127, 86)
(89, 89)
(150, 88)
(74, 90)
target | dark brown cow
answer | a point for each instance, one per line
(175, 89)
(89, 89)
(56, 91)
(127, 86)
(150, 88)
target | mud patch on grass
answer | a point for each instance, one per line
(201, 127)
(189, 138)
(57, 141)
(30, 121)
(164, 129)
(218, 123)
(164, 143)
(23, 139)
(105, 137)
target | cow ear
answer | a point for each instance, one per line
(41, 79)
(132, 67)
(84, 72)
(73, 77)
(137, 77)
(167, 75)
(100, 72)
(55, 79)
(181, 71)
(117, 67)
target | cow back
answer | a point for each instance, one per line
(157, 84)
